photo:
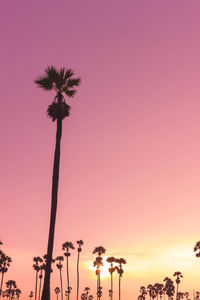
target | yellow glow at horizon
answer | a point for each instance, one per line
(104, 269)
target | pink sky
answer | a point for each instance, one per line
(130, 163)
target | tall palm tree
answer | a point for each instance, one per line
(62, 82)
(59, 265)
(18, 293)
(178, 275)
(98, 263)
(79, 249)
(66, 247)
(111, 270)
(120, 271)
(143, 292)
(4, 265)
(37, 263)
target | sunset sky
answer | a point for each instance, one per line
(130, 157)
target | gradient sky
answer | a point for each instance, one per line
(130, 161)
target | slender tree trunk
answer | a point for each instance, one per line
(177, 292)
(36, 280)
(119, 287)
(111, 296)
(77, 276)
(54, 197)
(67, 266)
(40, 288)
(61, 285)
(97, 287)
(2, 276)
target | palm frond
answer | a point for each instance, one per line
(68, 73)
(44, 83)
(73, 82)
(69, 93)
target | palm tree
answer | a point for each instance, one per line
(79, 249)
(31, 294)
(57, 291)
(111, 270)
(18, 293)
(98, 263)
(178, 275)
(150, 290)
(169, 287)
(158, 289)
(62, 82)
(11, 286)
(4, 265)
(120, 271)
(66, 247)
(143, 293)
(37, 262)
(42, 268)
(59, 265)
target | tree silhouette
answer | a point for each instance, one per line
(37, 263)
(66, 247)
(98, 263)
(169, 287)
(79, 249)
(59, 265)
(57, 291)
(18, 293)
(11, 286)
(42, 268)
(111, 270)
(178, 275)
(120, 271)
(143, 293)
(4, 265)
(62, 82)
(31, 294)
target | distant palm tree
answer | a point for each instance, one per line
(111, 270)
(169, 287)
(18, 293)
(4, 265)
(62, 82)
(150, 290)
(120, 271)
(197, 249)
(143, 293)
(79, 249)
(57, 291)
(42, 268)
(66, 247)
(37, 263)
(178, 275)
(98, 263)
(59, 265)
(158, 287)
(31, 295)
(11, 286)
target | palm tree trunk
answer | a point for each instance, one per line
(111, 286)
(77, 275)
(36, 279)
(177, 292)
(61, 285)
(54, 197)
(67, 262)
(40, 288)
(119, 287)
(2, 276)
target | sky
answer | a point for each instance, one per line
(130, 167)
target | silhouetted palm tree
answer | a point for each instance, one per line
(197, 249)
(57, 291)
(37, 263)
(178, 275)
(66, 247)
(31, 294)
(111, 270)
(143, 293)
(169, 287)
(98, 263)
(79, 249)
(18, 293)
(11, 286)
(4, 265)
(59, 265)
(120, 271)
(158, 287)
(42, 268)
(150, 289)
(62, 82)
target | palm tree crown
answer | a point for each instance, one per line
(61, 82)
